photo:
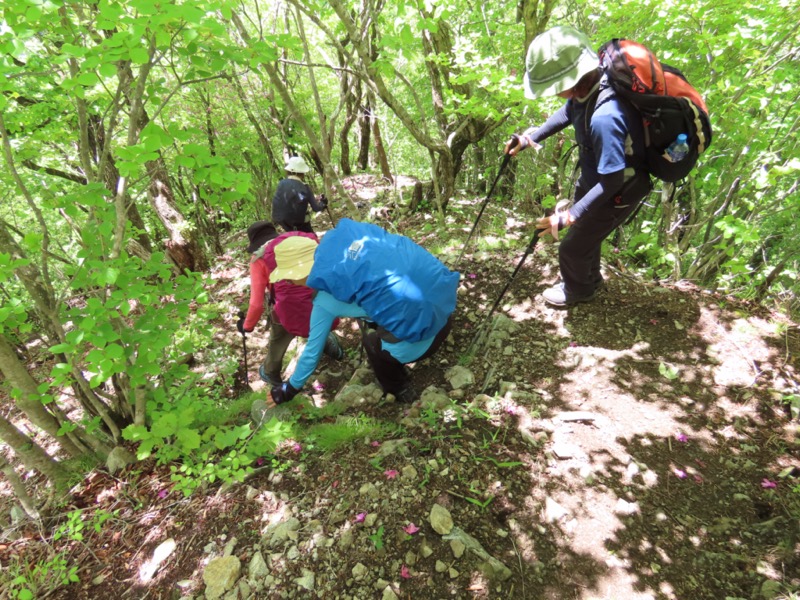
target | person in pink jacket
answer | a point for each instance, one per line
(290, 304)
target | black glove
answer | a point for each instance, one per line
(323, 200)
(240, 325)
(283, 393)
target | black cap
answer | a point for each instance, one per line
(259, 233)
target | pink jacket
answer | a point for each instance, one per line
(292, 302)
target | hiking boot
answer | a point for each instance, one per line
(407, 395)
(557, 296)
(333, 348)
(271, 378)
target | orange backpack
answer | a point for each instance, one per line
(669, 105)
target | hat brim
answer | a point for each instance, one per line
(302, 171)
(588, 62)
(299, 270)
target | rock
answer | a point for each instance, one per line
(306, 580)
(244, 589)
(160, 554)
(425, 549)
(410, 558)
(491, 567)
(347, 539)
(257, 568)
(388, 594)
(578, 415)
(390, 447)
(626, 508)
(409, 472)
(229, 547)
(369, 490)
(553, 511)
(440, 519)
(280, 532)
(292, 553)
(220, 575)
(119, 458)
(565, 450)
(370, 519)
(459, 377)
(440, 566)
(359, 571)
(452, 572)
(458, 547)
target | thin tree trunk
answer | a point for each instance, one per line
(364, 134)
(380, 151)
(28, 397)
(31, 454)
(27, 503)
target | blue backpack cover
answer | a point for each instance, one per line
(402, 287)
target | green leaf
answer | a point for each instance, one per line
(189, 439)
(108, 70)
(139, 56)
(62, 348)
(88, 79)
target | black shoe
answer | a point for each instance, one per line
(333, 348)
(407, 395)
(271, 378)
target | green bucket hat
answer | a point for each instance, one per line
(556, 61)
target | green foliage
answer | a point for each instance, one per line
(24, 581)
(346, 430)
(377, 538)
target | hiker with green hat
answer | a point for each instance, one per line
(293, 198)
(289, 305)
(613, 176)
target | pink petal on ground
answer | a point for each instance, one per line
(404, 573)
(375, 444)
(681, 437)
(391, 474)
(679, 473)
(768, 485)
(360, 517)
(411, 529)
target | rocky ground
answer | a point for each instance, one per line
(637, 447)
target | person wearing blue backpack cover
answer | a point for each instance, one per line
(404, 295)
(613, 173)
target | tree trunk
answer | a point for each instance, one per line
(364, 129)
(182, 246)
(27, 503)
(28, 398)
(31, 454)
(380, 151)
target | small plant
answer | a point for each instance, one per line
(793, 402)
(377, 538)
(668, 371)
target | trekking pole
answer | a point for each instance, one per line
(503, 165)
(482, 328)
(333, 223)
(244, 349)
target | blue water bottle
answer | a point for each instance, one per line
(678, 149)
